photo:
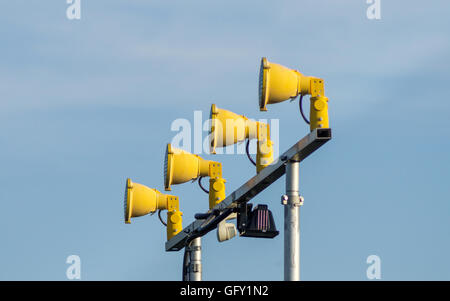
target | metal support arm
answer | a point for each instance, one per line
(298, 152)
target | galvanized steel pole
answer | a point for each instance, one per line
(195, 267)
(292, 204)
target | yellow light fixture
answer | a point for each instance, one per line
(181, 166)
(228, 128)
(141, 200)
(278, 83)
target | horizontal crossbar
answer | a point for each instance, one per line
(298, 152)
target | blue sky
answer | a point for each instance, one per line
(86, 104)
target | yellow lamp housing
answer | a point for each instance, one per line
(278, 83)
(228, 128)
(181, 166)
(141, 200)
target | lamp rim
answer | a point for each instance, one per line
(263, 87)
(128, 202)
(168, 168)
(213, 129)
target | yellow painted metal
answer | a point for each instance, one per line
(264, 151)
(317, 87)
(141, 200)
(181, 166)
(319, 113)
(216, 185)
(228, 128)
(174, 217)
(278, 83)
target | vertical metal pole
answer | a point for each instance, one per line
(292, 224)
(195, 267)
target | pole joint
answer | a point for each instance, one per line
(296, 201)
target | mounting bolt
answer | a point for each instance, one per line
(284, 199)
(300, 201)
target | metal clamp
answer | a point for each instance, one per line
(191, 248)
(298, 201)
(195, 267)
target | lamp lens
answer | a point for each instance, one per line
(261, 84)
(125, 199)
(166, 156)
(211, 123)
